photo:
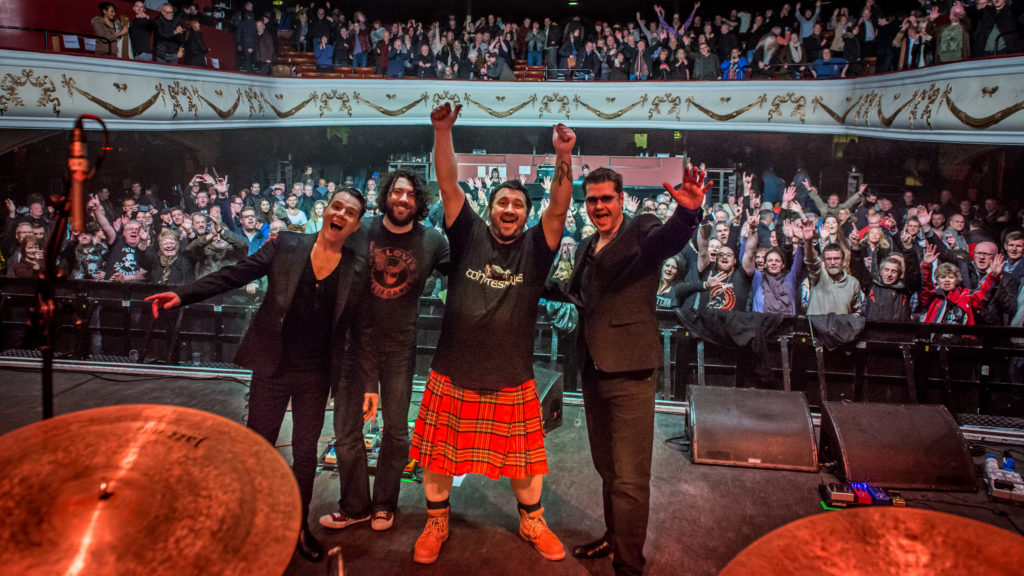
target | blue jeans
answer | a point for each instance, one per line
(620, 427)
(394, 371)
(268, 402)
(359, 60)
(533, 58)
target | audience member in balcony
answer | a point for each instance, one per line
(301, 35)
(324, 52)
(914, 43)
(195, 47)
(140, 33)
(814, 43)
(497, 69)
(108, 30)
(808, 19)
(423, 62)
(640, 69)
(321, 24)
(735, 68)
(552, 42)
(264, 52)
(829, 67)
(169, 36)
(852, 51)
(535, 45)
(705, 63)
(588, 64)
(997, 30)
(342, 48)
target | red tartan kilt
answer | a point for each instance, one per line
(495, 434)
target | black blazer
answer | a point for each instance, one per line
(282, 260)
(618, 323)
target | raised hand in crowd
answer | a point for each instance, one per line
(630, 203)
(931, 254)
(748, 183)
(788, 196)
(806, 230)
(716, 280)
(906, 239)
(925, 218)
(854, 240)
(996, 268)
(695, 186)
(546, 183)
(11, 209)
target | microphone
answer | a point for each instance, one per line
(78, 170)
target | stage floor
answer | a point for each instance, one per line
(701, 516)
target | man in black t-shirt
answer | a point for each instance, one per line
(480, 412)
(727, 287)
(403, 253)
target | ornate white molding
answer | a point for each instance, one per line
(971, 102)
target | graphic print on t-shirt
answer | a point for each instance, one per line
(127, 265)
(494, 276)
(722, 297)
(394, 272)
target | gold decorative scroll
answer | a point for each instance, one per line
(325, 102)
(726, 117)
(189, 93)
(610, 115)
(927, 96)
(398, 112)
(255, 100)
(69, 84)
(288, 113)
(10, 84)
(532, 99)
(563, 104)
(818, 102)
(983, 122)
(668, 98)
(798, 102)
(446, 96)
(224, 114)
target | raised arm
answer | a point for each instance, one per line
(553, 218)
(452, 197)
(750, 247)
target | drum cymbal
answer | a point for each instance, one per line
(144, 489)
(880, 541)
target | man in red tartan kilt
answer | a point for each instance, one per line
(480, 412)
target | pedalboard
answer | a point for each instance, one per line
(842, 495)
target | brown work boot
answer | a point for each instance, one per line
(534, 530)
(428, 545)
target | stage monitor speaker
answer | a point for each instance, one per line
(751, 427)
(550, 385)
(912, 446)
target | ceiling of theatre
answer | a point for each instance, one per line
(968, 102)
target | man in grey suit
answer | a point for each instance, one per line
(614, 283)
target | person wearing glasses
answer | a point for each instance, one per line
(169, 36)
(296, 342)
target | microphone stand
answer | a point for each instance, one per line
(43, 313)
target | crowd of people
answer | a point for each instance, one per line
(771, 247)
(791, 40)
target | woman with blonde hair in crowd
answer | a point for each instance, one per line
(316, 218)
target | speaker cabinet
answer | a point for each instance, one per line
(912, 446)
(751, 427)
(550, 385)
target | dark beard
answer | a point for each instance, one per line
(389, 211)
